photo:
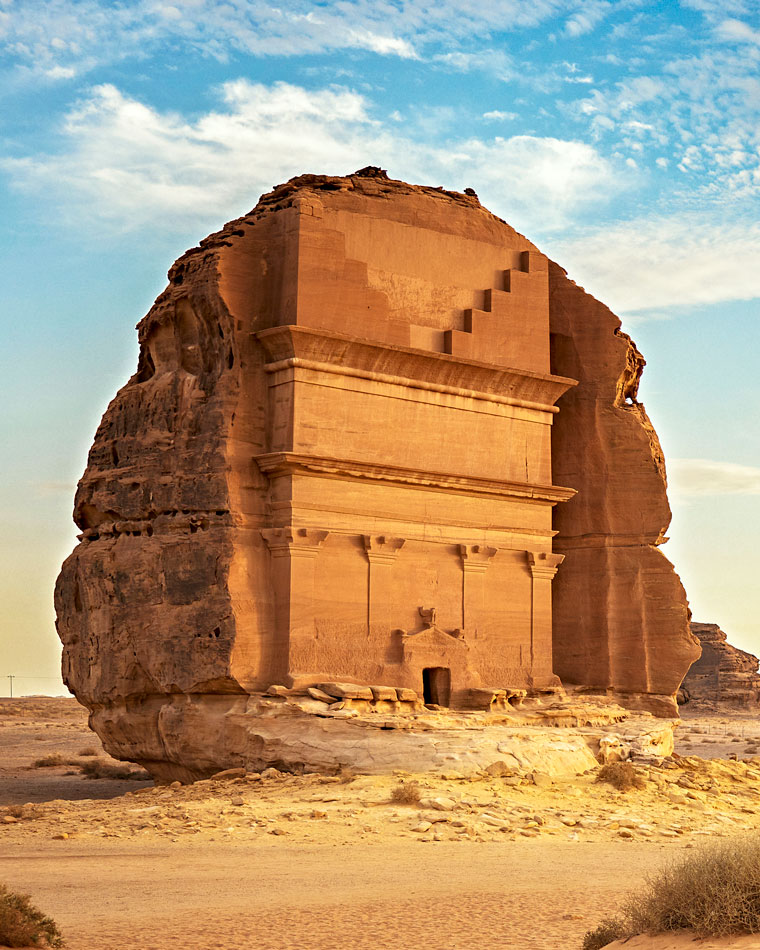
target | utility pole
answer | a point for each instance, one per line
(11, 678)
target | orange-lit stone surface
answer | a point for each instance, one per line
(352, 436)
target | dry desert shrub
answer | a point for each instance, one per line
(22, 925)
(50, 761)
(605, 933)
(90, 750)
(407, 793)
(714, 893)
(100, 769)
(622, 775)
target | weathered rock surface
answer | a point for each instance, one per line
(724, 673)
(335, 464)
(620, 611)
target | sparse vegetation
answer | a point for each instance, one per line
(98, 768)
(50, 761)
(605, 933)
(622, 775)
(90, 750)
(715, 892)
(22, 925)
(406, 793)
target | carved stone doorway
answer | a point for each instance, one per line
(436, 685)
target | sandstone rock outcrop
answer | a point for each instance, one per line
(620, 613)
(338, 463)
(723, 674)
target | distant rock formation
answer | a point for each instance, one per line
(724, 673)
(369, 423)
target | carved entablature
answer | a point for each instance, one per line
(297, 542)
(543, 564)
(476, 557)
(434, 631)
(381, 549)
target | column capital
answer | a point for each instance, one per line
(297, 542)
(543, 563)
(381, 549)
(476, 557)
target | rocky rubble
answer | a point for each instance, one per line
(682, 796)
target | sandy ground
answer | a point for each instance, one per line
(330, 863)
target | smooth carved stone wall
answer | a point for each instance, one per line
(336, 460)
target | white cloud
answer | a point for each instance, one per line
(497, 115)
(695, 478)
(586, 19)
(738, 31)
(78, 35)
(125, 161)
(649, 266)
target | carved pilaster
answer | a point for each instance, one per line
(381, 549)
(475, 561)
(543, 566)
(381, 552)
(294, 552)
(298, 542)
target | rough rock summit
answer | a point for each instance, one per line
(369, 425)
(724, 673)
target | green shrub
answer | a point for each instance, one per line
(714, 892)
(22, 925)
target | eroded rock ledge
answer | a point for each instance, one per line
(723, 674)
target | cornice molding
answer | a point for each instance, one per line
(276, 464)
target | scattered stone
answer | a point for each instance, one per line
(320, 695)
(228, 774)
(440, 803)
(406, 695)
(542, 779)
(346, 690)
(384, 694)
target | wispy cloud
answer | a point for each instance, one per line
(587, 18)
(657, 265)
(61, 38)
(700, 110)
(496, 115)
(131, 163)
(696, 478)
(738, 31)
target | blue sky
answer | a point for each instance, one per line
(622, 137)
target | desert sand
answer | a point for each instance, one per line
(325, 861)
